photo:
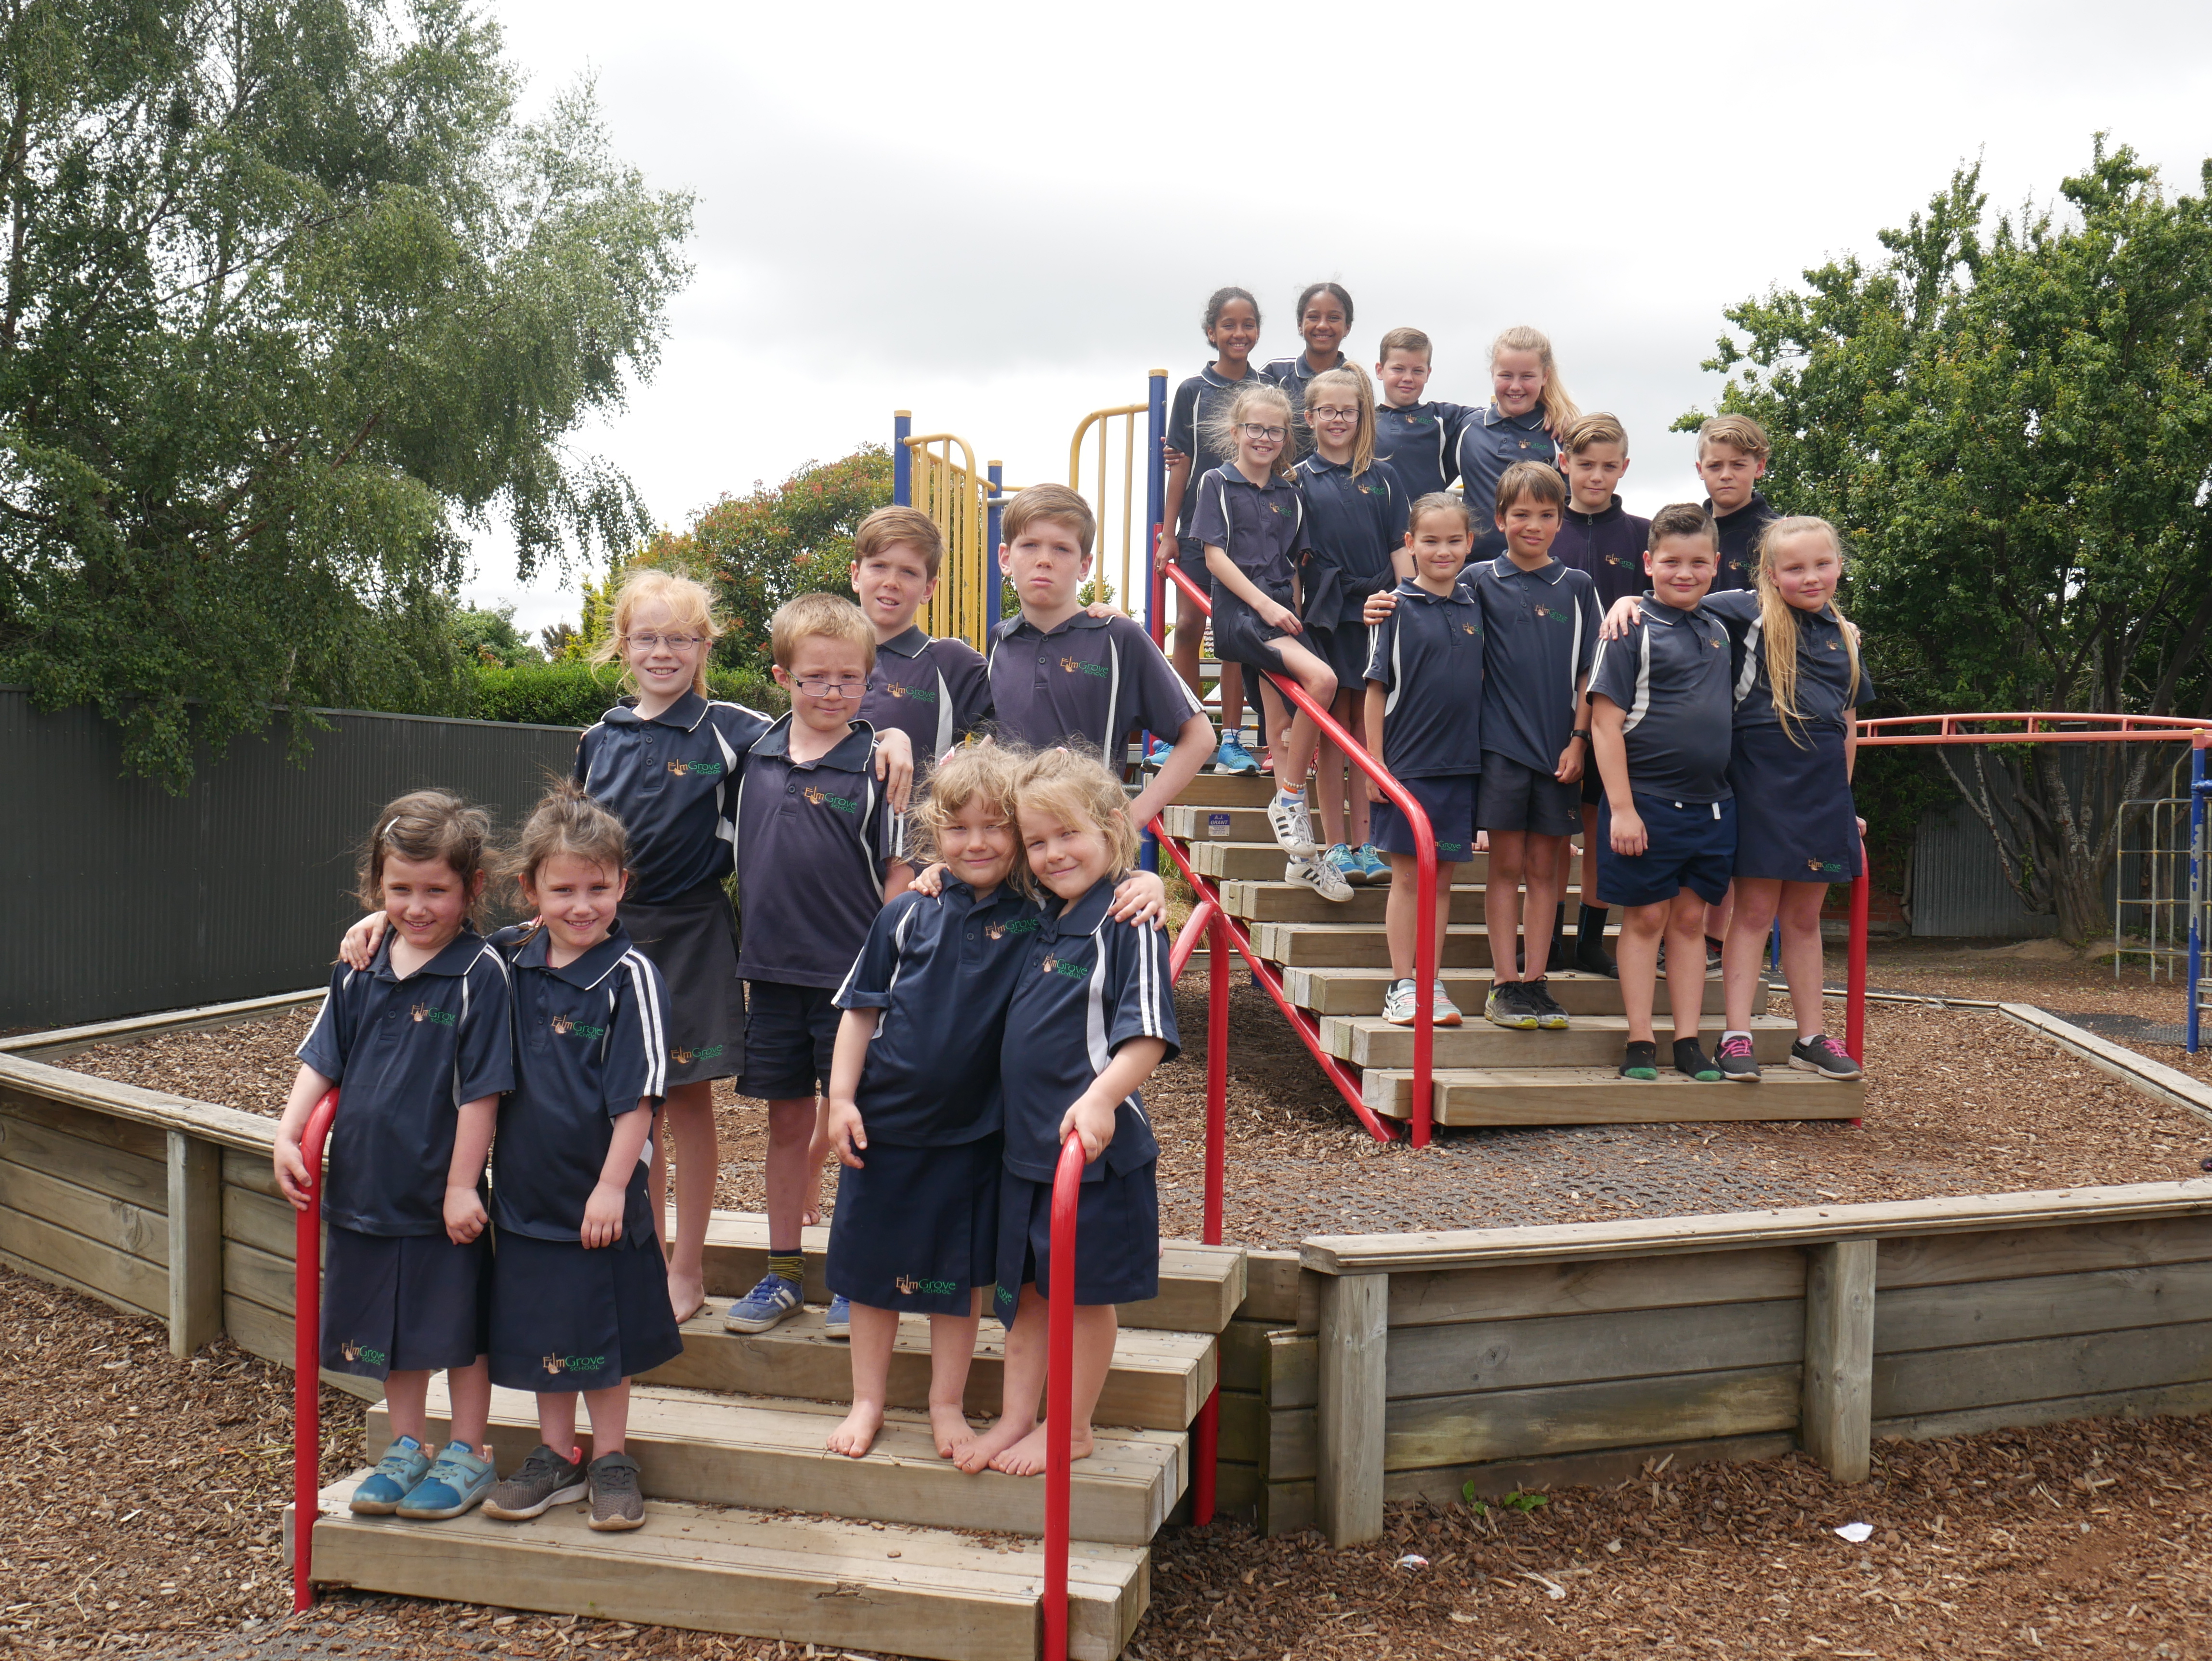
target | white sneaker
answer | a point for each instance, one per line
(1324, 879)
(1442, 1011)
(1398, 1003)
(1292, 825)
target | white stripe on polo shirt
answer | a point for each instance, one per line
(655, 1041)
(1397, 668)
(1752, 638)
(1094, 1007)
(725, 827)
(943, 714)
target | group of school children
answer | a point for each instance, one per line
(949, 964)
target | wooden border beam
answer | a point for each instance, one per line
(1355, 1312)
(1837, 1418)
(68, 1040)
(195, 1242)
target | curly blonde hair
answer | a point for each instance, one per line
(1077, 788)
(986, 772)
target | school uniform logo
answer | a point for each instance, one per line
(1824, 867)
(564, 1027)
(698, 768)
(818, 797)
(683, 1057)
(899, 688)
(1557, 614)
(558, 1364)
(1074, 971)
(1469, 629)
(908, 1286)
(998, 931)
(424, 1012)
(354, 1352)
(1076, 665)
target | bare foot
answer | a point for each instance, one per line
(687, 1295)
(949, 1424)
(978, 1454)
(1027, 1457)
(856, 1434)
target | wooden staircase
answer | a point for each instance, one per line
(753, 1527)
(1334, 960)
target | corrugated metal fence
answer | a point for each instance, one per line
(122, 898)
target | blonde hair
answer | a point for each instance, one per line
(1559, 411)
(888, 525)
(1075, 787)
(566, 821)
(1055, 504)
(984, 772)
(819, 617)
(1353, 379)
(424, 825)
(1221, 432)
(689, 603)
(1402, 340)
(1599, 429)
(1778, 622)
(1739, 432)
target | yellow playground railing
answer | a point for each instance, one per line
(957, 497)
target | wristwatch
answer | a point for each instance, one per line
(1580, 733)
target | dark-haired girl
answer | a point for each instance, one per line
(1324, 316)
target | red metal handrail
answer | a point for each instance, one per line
(1427, 948)
(1059, 1395)
(307, 1354)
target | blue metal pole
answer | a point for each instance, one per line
(902, 458)
(2199, 787)
(1155, 491)
(994, 585)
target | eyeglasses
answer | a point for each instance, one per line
(1330, 412)
(821, 686)
(1252, 430)
(653, 642)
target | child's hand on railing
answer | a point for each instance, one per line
(465, 1214)
(1163, 551)
(1379, 606)
(847, 1133)
(603, 1216)
(1142, 897)
(1093, 1122)
(1626, 610)
(292, 1173)
(358, 949)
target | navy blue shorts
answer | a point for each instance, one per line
(1190, 560)
(563, 1317)
(1688, 845)
(1516, 797)
(1794, 820)
(916, 1229)
(791, 1033)
(404, 1302)
(1449, 802)
(1117, 1240)
(693, 941)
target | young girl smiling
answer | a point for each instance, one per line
(1529, 408)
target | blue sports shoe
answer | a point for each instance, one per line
(769, 1302)
(456, 1483)
(1372, 862)
(1157, 753)
(405, 1463)
(1233, 756)
(838, 1323)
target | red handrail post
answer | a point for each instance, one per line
(1855, 986)
(1059, 1395)
(1217, 1075)
(307, 1354)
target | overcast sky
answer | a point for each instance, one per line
(1003, 220)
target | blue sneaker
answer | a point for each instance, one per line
(1233, 757)
(771, 1301)
(1157, 753)
(405, 1463)
(1345, 863)
(456, 1482)
(1372, 862)
(838, 1323)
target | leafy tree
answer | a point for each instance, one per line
(290, 295)
(2011, 420)
(491, 638)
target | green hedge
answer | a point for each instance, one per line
(573, 694)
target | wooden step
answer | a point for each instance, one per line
(1218, 789)
(1158, 1381)
(1568, 1095)
(1201, 1286)
(1252, 860)
(768, 1452)
(1337, 945)
(1289, 901)
(1360, 991)
(804, 1580)
(1201, 823)
(1369, 1041)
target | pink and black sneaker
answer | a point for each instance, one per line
(1822, 1055)
(1737, 1063)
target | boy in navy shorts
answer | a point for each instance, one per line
(819, 849)
(935, 690)
(1661, 711)
(1425, 696)
(1059, 674)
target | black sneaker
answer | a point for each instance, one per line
(1550, 1014)
(1737, 1063)
(545, 1481)
(1508, 1006)
(1822, 1055)
(1690, 1058)
(1641, 1061)
(616, 1502)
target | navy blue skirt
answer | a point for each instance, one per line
(693, 941)
(1794, 818)
(1239, 636)
(403, 1302)
(563, 1317)
(1117, 1239)
(916, 1229)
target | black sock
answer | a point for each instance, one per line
(1690, 1058)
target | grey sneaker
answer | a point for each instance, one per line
(1508, 1006)
(1550, 1014)
(1398, 1006)
(616, 1502)
(1822, 1055)
(1738, 1062)
(543, 1481)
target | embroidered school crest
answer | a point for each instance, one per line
(1069, 665)
(350, 1350)
(908, 1285)
(681, 1056)
(995, 931)
(1469, 629)
(563, 1025)
(420, 1010)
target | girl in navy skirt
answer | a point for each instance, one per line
(419, 1043)
(1356, 538)
(580, 1291)
(1092, 1015)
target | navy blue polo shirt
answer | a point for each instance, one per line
(1739, 534)
(1421, 441)
(591, 1042)
(1354, 525)
(408, 1056)
(1670, 676)
(1292, 374)
(1824, 697)
(668, 779)
(1199, 409)
(942, 969)
(1087, 986)
(1541, 629)
(1262, 527)
(936, 690)
(1609, 546)
(1429, 652)
(813, 840)
(1095, 680)
(1491, 442)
